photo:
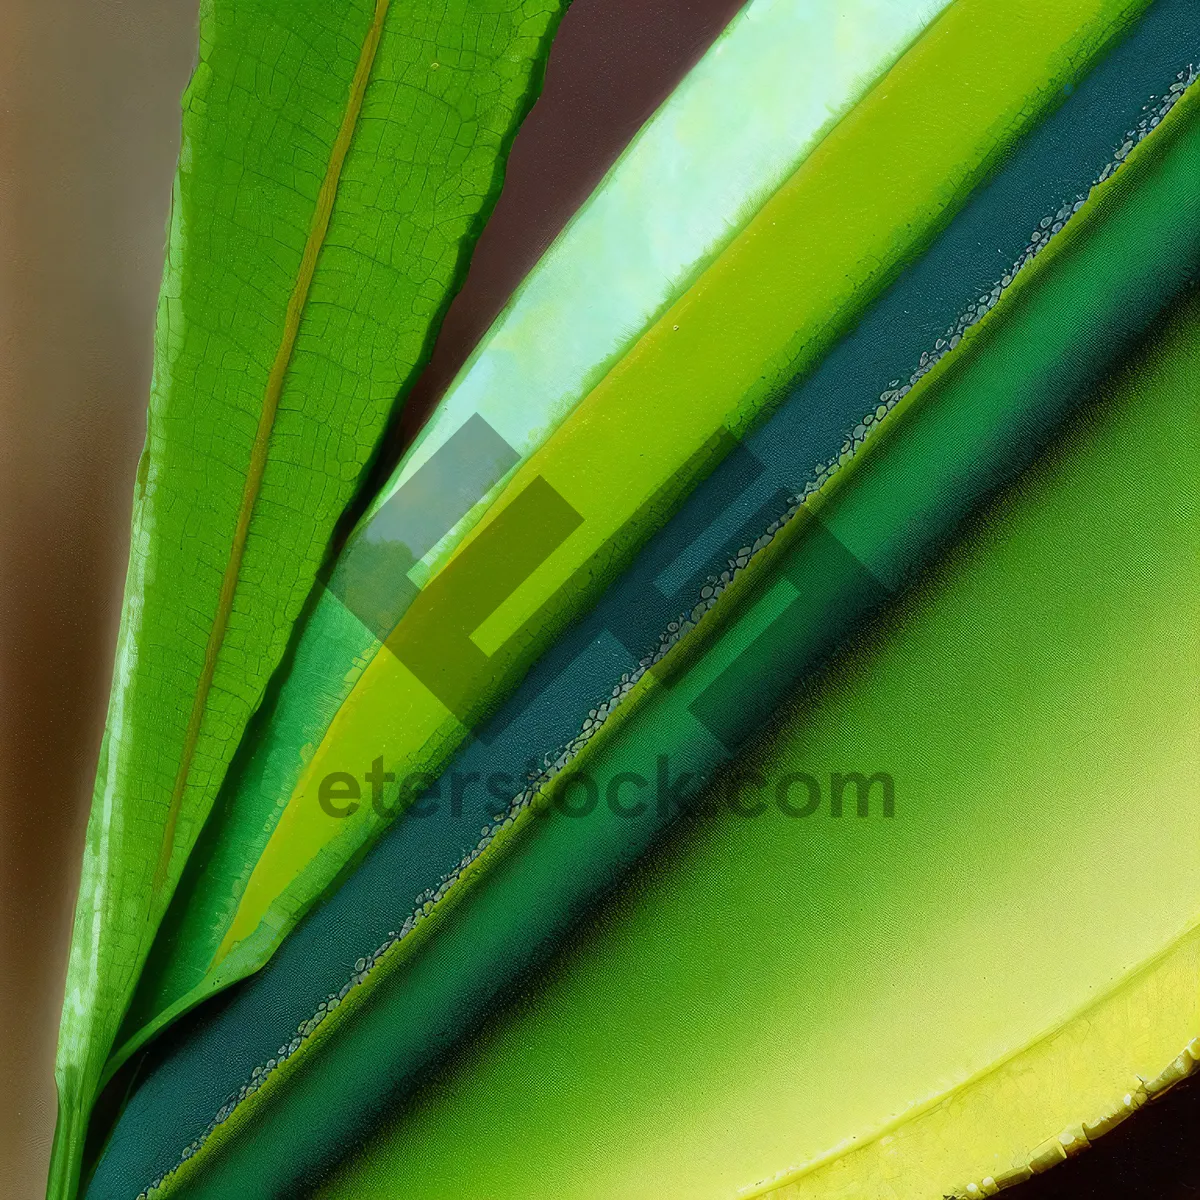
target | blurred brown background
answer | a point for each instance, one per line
(89, 126)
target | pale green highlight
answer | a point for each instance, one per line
(738, 125)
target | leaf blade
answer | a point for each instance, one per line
(535, 876)
(299, 954)
(311, 253)
(714, 361)
(594, 292)
(266, 420)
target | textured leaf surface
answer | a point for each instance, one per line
(337, 162)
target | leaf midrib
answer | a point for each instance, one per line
(266, 422)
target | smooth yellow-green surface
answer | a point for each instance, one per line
(870, 195)
(766, 992)
(1078, 1082)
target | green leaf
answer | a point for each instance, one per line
(338, 160)
(766, 309)
(753, 108)
(1008, 737)
(965, 427)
